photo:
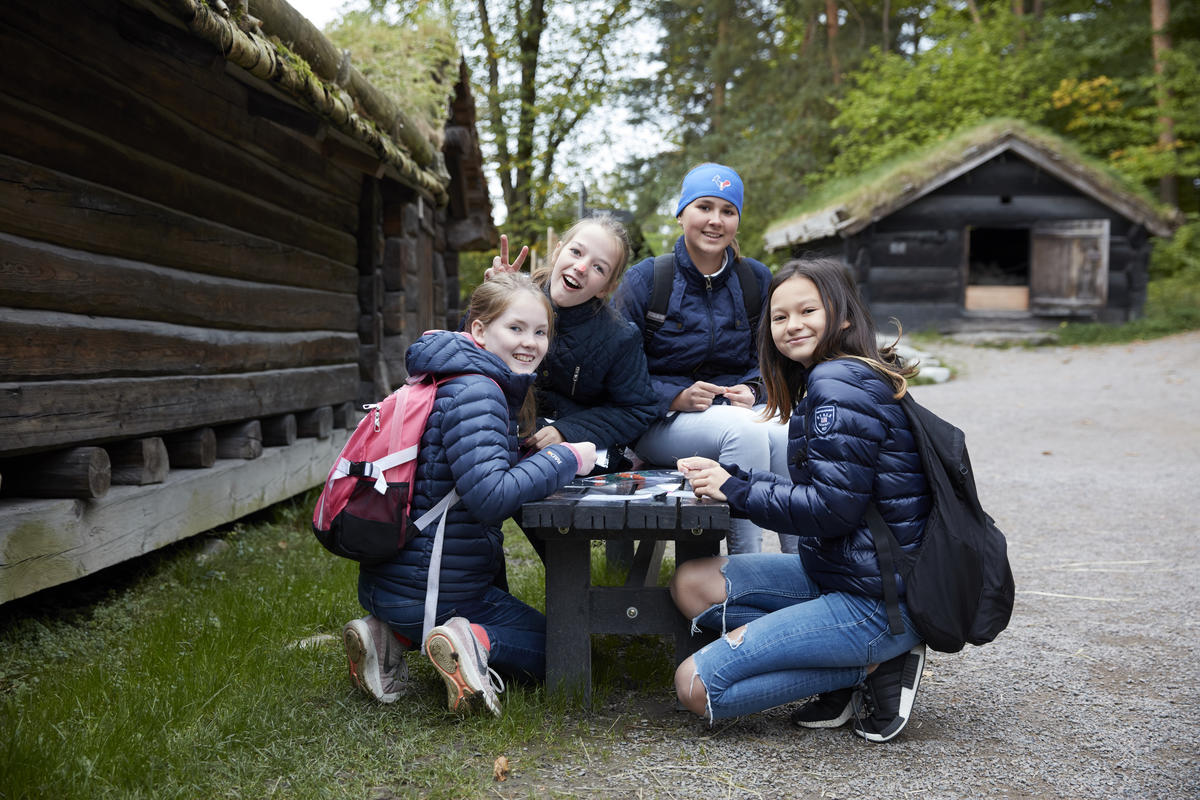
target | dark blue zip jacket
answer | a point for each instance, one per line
(593, 382)
(706, 336)
(849, 444)
(469, 444)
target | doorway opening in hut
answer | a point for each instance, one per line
(997, 269)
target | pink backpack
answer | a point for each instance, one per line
(362, 513)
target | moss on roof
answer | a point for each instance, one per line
(852, 203)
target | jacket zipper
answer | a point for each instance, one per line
(712, 324)
(574, 380)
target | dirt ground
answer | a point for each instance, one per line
(1089, 460)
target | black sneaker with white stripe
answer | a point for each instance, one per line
(828, 710)
(888, 695)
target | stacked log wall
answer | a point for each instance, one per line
(192, 267)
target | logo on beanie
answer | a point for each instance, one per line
(721, 183)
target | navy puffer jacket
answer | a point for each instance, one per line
(706, 336)
(469, 444)
(849, 444)
(594, 383)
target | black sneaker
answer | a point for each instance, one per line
(888, 695)
(828, 710)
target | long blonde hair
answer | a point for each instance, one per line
(785, 379)
(491, 299)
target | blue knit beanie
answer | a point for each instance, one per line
(711, 180)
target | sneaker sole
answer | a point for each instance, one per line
(460, 694)
(837, 722)
(357, 656)
(914, 665)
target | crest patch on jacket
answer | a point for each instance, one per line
(823, 419)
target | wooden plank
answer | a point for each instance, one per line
(41, 139)
(39, 416)
(316, 422)
(49, 542)
(240, 440)
(82, 472)
(42, 204)
(63, 100)
(194, 449)
(176, 70)
(139, 462)
(279, 431)
(45, 276)
(931, 284)
(44, 345)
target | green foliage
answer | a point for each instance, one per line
(413, 61)
(898, 103)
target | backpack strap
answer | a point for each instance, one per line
(442, 510)
(885, 550)
(660, 294)
(750, 296)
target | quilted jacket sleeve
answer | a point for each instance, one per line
(475, 436)
(843, 431)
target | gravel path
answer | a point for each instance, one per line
(1089, 459)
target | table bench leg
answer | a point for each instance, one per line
(568, 641)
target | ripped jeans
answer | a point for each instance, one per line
(798, 642)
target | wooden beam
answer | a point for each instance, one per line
(279, 431)
(44, 345)
(194, 449)
(83, 472)
(44, 543)
(317, 422)
(139, 462)
(240, 440)
(44, 415)
(39, 203)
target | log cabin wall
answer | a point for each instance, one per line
(199, 279)
(911, 263)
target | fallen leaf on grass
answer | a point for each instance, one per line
(500, 769)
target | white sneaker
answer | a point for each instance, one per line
(375, 659)
(462, 662)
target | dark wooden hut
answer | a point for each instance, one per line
(997, 225)
(212, 248)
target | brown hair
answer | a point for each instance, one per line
(783, 378)
(610, 225)
(491, 299)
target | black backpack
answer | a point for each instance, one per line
(660, 295)
(958, 585)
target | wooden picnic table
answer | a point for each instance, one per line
(575, 609)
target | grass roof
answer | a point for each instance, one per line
(849, 204)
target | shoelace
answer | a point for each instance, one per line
(496, 681)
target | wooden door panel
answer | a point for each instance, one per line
(1069, 266)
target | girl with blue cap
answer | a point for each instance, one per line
(701, 350)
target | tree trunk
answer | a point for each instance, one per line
(831, 32)
(720, 66)
(887, 18)
(973, 7)
(1160, 13)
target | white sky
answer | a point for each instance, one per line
(319, 12)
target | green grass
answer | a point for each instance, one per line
(177, 676)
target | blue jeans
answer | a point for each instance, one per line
(798, 642)
(730, 435)
(516, 631)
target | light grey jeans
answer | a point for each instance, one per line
(730, 435)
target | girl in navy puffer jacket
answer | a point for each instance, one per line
(703, 360)
(593, 385)
(470, 445)
(817, 624)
